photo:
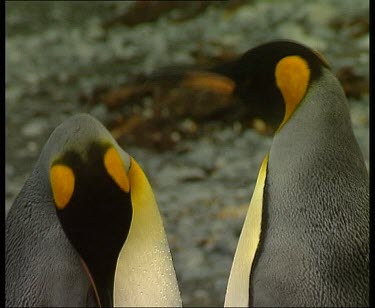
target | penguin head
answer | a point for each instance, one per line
(89, 180)
(107, 210)
(274, 77)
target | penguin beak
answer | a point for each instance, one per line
(103, 293)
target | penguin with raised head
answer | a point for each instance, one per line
(85, 229)
(305, 239)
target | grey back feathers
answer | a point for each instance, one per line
(314, 247)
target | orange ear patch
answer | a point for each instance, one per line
(115, 168)
(292, 77)
(62, 182)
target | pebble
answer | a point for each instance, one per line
(34, 128)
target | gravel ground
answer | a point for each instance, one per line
(56, 50)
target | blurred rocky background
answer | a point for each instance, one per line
(136, 66)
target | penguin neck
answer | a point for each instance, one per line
(317, 143)
(321, 121)
(144, 274)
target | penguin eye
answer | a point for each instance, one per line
(62, 183)
(115, 168)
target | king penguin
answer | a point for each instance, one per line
(85, 230)
(305, 238)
